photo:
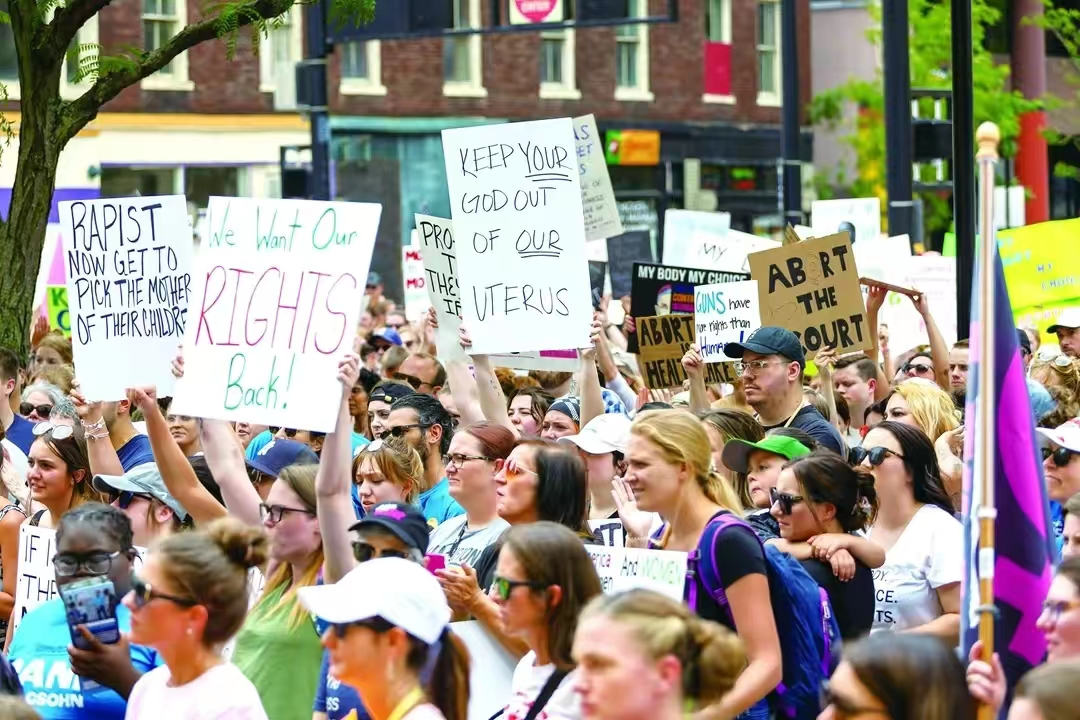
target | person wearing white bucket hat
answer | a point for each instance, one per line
(387, 618)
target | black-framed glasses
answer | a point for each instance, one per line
(43, 411)
(123, 500)
(876, 455)
(844, 707)
(144, 594)
(94, 563)
(277, 512)
(787, 501)
(289, 432)
(458, 460)
(502, 587)
(400, 430)
(363, 552)
(413, 381)
(59, 432)
(1061, 457)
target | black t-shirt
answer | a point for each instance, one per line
(738, 554)
(810, 421)
(852, 601)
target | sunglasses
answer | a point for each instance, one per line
(400, 430)
(918, 368)
(876, 455)
(502, 588)
(787, 501)
(144, 594)
(1061, 457)
(59, 432)
(376, 625)
(124, 499)
(364, 552)
(1059, 359)
(289, 432)
(414, 381)
(43, 411)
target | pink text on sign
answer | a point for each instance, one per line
(536, 10)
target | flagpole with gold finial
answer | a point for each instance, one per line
(987, 136)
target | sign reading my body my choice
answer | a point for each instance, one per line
(128, 263)
(515, 199)
(276, 296)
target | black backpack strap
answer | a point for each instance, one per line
(552, 684)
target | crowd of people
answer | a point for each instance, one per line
(283, 573)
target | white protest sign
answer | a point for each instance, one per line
(695, 239)
(597, 196)
(627, 568)
(128, 263)
(724, 313)
(515, 199)
(934, 276)
(880, 259)
(412, 273)
(826, 217)
(276, 296)
(491, 670)
(439, 253)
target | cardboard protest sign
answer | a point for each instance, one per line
(663, 340)
(633, 246)
(515, 200)
(623, 569)
(663, 290)
(597, 196)
(275, 301)
(439, 255)
(826, 216)
(412, 272)
(724, 313)
(812, 289)
(56, 304)
(128, 263)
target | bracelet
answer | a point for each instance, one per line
(99, 425)
(96, 436)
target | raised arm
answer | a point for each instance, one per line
(874, 300)
(99, 447)
(939, 351)
(332, 499)
(592, 396)
(492, 398)
(695, 371)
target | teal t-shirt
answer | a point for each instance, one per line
(262, 439)
(39, 654)
(438, 506)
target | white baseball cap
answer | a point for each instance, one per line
(401, 592)
(1066, 435)
(1069, 318)
(603, 434)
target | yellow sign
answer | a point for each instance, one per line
(1042, 266)
(56, 303)
(632, 147)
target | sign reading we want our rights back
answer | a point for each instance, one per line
(276, 295)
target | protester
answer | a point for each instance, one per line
(188, 599)
(423, 372)
(1066, 330)
(855, 380)
(1047, 693)
(1060, 375)
(388, 471)
(932, 410)
(958, 365)
(425, 424)
(53, 349)
(59, 475)
(60, 376)
(38, 401)
(126, 447)
(358, 408)
(311, 438)
(1041, 402)
(1070, 528)
(248, 432)
(602, 447)
(266, 465)
(761, 463)
(381, 401)
(563, 418)
(18, 429)
(722, 426)
(387, 617)
(644, 656)
(527, 407)
(11, 518)
(1061, 466)
(185, 430)
(92, 540)
(141, 494)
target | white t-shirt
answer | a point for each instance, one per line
(220, 693)
(529, 679)
(928, 555)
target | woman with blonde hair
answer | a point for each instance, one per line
(923, 405)
(1047, 693)
(1060, 375)
(669, 472)
(643, 656)
(388, 471)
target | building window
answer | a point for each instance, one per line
(161, 20)
(129, 182)
(69, 90)
(718, 21)
(768, 52)
(632, 57)
(462, 61)
(279, 51)
(361, 68)
(558, 79)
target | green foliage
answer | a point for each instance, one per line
(1064, 23)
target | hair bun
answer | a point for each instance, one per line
(245, 546)
(721, 658)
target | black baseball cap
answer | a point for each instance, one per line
(769, 340)
(389, 392)
(1024, 341)
(406, 522)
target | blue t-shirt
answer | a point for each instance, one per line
(21, 433)
(39, 654)
(259, 442)
(1057, 520)
(135, 452)
(337, 699)
(437, 505)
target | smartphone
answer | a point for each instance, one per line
(91, 603)
(436, 562)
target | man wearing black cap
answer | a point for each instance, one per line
(771, 370)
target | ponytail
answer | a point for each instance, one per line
(448, 688)
(718, 490)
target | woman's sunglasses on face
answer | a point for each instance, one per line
(401, 430)
(787, 501)
(144, 594)
(363, 552)
(123, 500)
(876, 455)
(1060, 457)
(43, 411)
(289, 432)
(503, 588)
(917, 368)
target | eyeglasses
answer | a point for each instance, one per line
(376, 625)
(414, 381)
(787, 501)
(827, 698)
(876, 455)
(123, 500)
(1061, 457)
(1053, 610)
(289, 432)
(502, 587)
(43, 411)
(59, 432)
(756, 366)
(364, 552)
(919, 368)
(458, 460)
(144, 594)
(513, 471)
(277, 512)
(400, 430)
(95, 563)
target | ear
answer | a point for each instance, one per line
(436, 390)
(794, 372)
(826, 512)
(554, 595)
(435, 433)
(9, 386)
(78, 476)
(499, 465)
(162, 512)
(872, 384)
(670, 672)
(123, 406)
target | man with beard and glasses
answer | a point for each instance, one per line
(426, 425)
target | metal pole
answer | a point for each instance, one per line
(963, 162)
(898, 132)
(789, 56)
(318, 113)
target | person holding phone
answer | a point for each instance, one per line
(92, 541)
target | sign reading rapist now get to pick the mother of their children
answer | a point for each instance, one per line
(276, 295)
(128, 265)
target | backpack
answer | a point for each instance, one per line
(805, 624)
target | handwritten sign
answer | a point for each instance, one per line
(812, 289)
(515, 199)
(724, 313)
(128, 265)
(666, 290)
(696, 239)
(826, 217)
(439, 254)
(412, 273)
(623, 569)
(275, 300)
(56, 304)
(936, 278)
(597, 196)
(662, 342)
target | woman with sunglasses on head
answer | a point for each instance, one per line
(92, 541)
(59, 475)
(543, 579)
(1060, 375)
(188, 599)
(918, 587)
(388, 471)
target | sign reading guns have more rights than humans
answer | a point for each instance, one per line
(276, 295)
(515, 199)
(128, 263)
